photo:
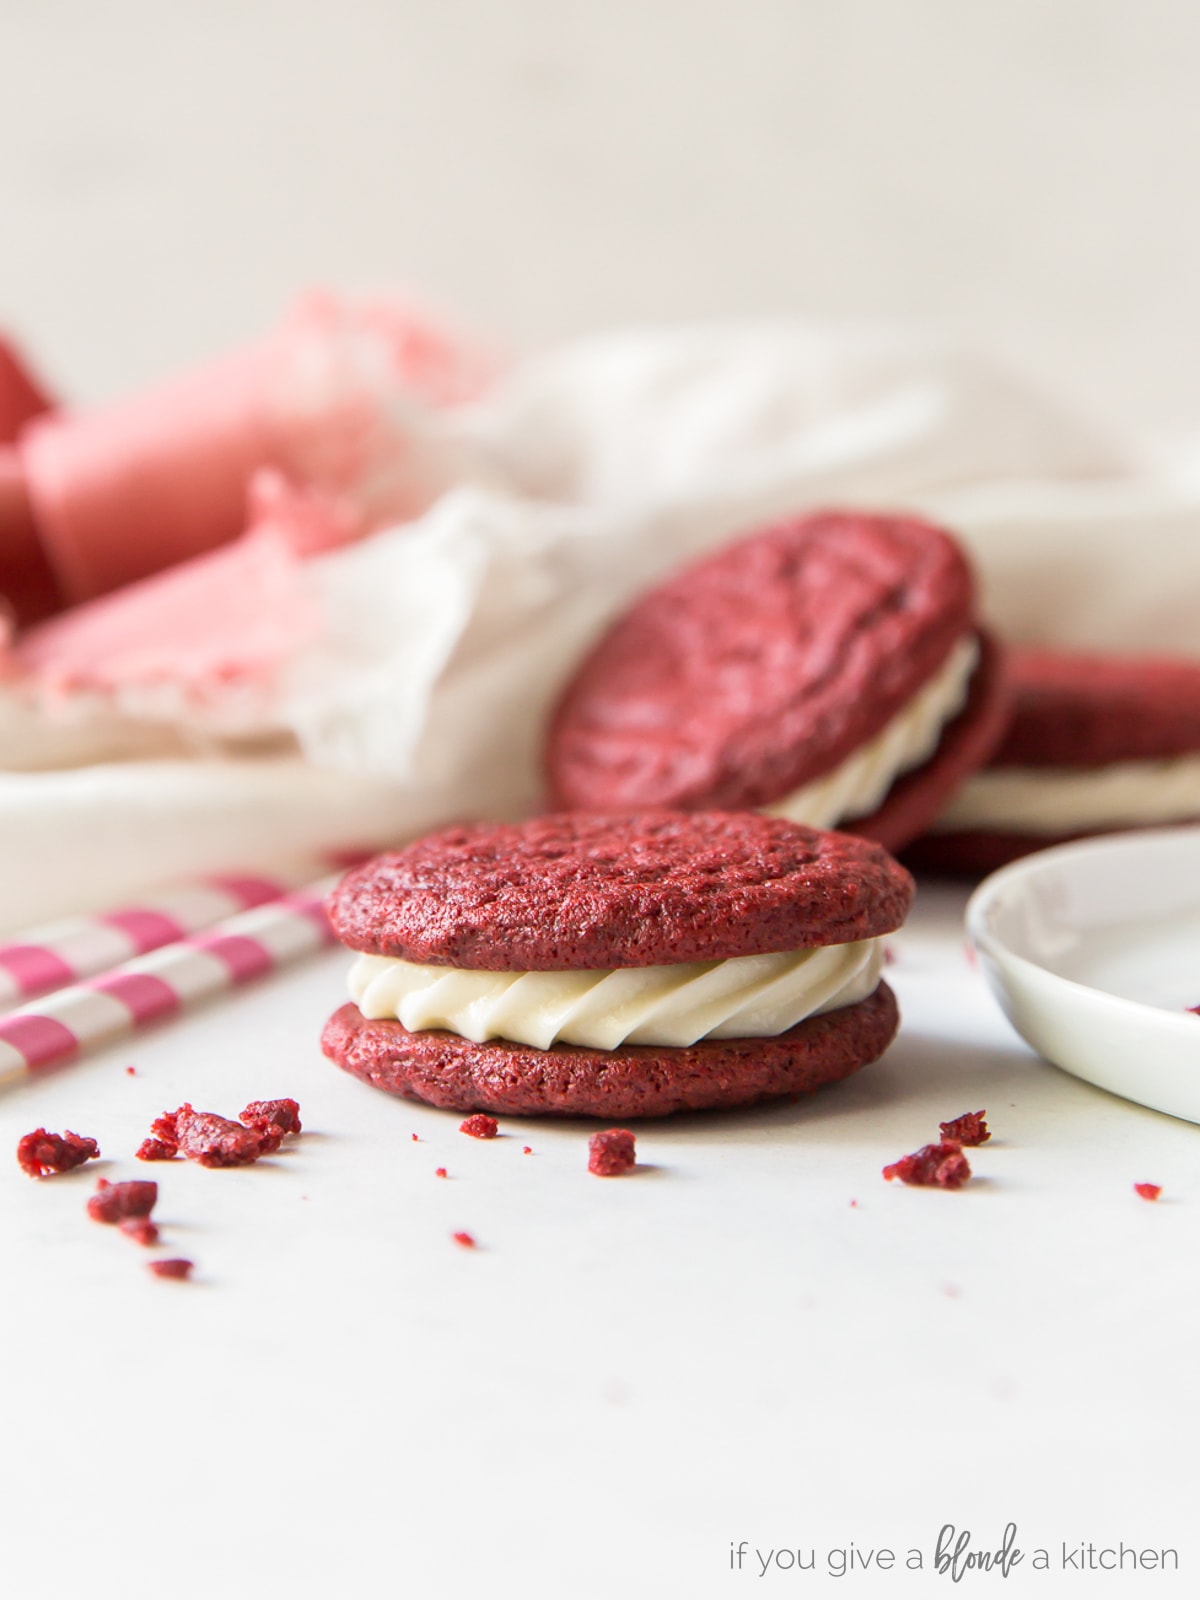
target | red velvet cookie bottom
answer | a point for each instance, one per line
(1084, 711)
(915, 799)
(445, 1070)
(973, 853)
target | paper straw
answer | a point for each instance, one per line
(167, 982)
(66, 952)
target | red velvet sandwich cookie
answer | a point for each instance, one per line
(1096, 744)
(828, 670)
(617, 966)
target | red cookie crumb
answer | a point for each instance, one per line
(528, 1150)
(934, 1166)
(970, 1129)
(1195, 1010)
(283, 1114)
(131, 1072)
(141, 1230)
(173, 1267)
(480, 1126)
(164, 1131)
(1148, 1191)
(270, 1137)
(416, 1138)
(611, 1153)
(465, 1239)
(440, 1173)
(113, 1202)
(41, 1153)
(212, 1140)
(156, 1150)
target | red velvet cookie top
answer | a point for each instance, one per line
(761, 667)
(1089, 710)
(570, 892)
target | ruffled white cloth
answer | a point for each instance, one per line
(414, 687)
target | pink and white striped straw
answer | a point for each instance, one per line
(65, 952)
(164, 983)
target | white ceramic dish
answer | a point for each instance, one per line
(1093, 950)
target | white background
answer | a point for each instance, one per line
(627, 1376)
(1027, 169)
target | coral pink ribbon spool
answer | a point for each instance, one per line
(151, 481)
(22, 397)
(113, 495)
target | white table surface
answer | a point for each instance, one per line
(627, 1375)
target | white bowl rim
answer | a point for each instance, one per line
(1007, 883)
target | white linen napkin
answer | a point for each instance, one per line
(417, 692)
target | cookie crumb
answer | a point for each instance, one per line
(41, 1153)
(528, 1150)
(141, 1230)
(970, 1129)
(113, 1202)
(156, 1150)
(282, 1114)
(933, 1166)
(440, 1172)
(1148, 1191)
(164, 1129)
(465, 1239)
(611, 1153)
(416, 1138)
(480, 1126)
(172, 1267)
(131, 1072)
(212, 1140)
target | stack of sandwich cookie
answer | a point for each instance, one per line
(1096, 744)
(623, 966)
(829, 670)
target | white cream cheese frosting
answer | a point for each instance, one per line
(744, 997)
(1057, 800)
(858, 785)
